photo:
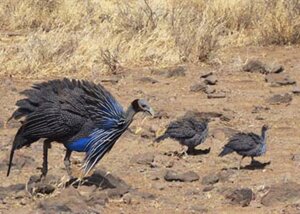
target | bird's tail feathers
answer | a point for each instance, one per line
(18, 143)
(161, 138)
(225, 151)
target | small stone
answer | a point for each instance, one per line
(210, 90)
(259, 118)
(159, 186)
(280, 99)
(127, 199)
(241, 197)
(296, 157)
(296, 90)
(211, 80)
(206, 75)
(198, 209)
(144, 159)
(176, 72)
(216, 95)
(198, 87)
(277, 68)
(189, 176)
(45, 189)
(148, 80)
(210, 179)
(282, 193)
(208, 188)
(279, 79)
(256, 66)
(113, 80)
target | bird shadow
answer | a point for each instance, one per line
(194, 152)
(198, 152)
(254, 165)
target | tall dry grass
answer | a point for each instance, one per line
(61, 37)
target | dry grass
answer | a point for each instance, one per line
(74, 37)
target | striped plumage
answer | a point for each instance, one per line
(83, 116)
(247, 144)
(188, 130)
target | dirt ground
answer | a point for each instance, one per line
(171, 97)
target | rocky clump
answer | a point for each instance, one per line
(280, 99)
(189, 176)
(256, 66)
(170, 72)
(143, 159)
(241, 197)
(282, 193)
(279, 79)
(148, 80)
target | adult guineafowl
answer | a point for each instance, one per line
(188, 130)
(81, 115)
(247, 145)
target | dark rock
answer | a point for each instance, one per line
(296, 157)
(144, 195)
(148, 80)
(68, 201)
(87, 190)
(176, 72)
(210, 179)
(216, 95)
(256, 66)
(279, 79)
(106, 180)
(258, 109)
(241, 197)
(225, 175)
(113, 80)
(260, 67)
(189, 176)
(20, 161)
(44, 189)
(280, 99)
(210, 90)
(276, 69)
(296, 90)
(211, 80)
(208, 188)
(144, 159)
(198, 87)
(282, 193)
(198, 209)
(206, 75)
(291, 209)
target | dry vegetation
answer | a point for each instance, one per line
(54, 37)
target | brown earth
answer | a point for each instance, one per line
(245, 107)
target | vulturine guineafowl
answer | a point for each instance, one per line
(81, 115)
(247, 145)
(188, 130)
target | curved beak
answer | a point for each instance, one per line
(150, 111)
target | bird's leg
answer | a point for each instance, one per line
(46, 146)
(67, 163)
(240, 163)
(252, 159)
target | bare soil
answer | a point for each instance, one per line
(171, 97)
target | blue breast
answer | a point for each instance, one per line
(79, 145)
